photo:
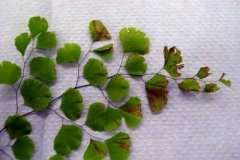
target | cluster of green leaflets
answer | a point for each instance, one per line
(100, 117)
(35, 93)
(136, 42)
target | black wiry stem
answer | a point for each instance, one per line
(86, 85)
(51, 103)
(160, 70)
(1, 131)
(7, 145)
(28, 113)
(79, 64)
(16, 98)
(109, 102)
(86, 54)
(1, 150)
(120, 64)
(24, 67)
(142, 79)
(24, 115)
(80, 126)
(55, 99)
(16, 89)
(174, 79)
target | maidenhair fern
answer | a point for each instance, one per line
(36, 93)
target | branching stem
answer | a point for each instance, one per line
(1, 150)
(79, 64)
(7, 145)
(142, 79)
(174, 79)
(80, 126)
(121, 64)
(16, 89)
(54, 100)
(109, 102)
(51, 103)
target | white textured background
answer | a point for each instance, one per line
(193, 126)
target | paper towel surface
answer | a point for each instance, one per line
(192, 126)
